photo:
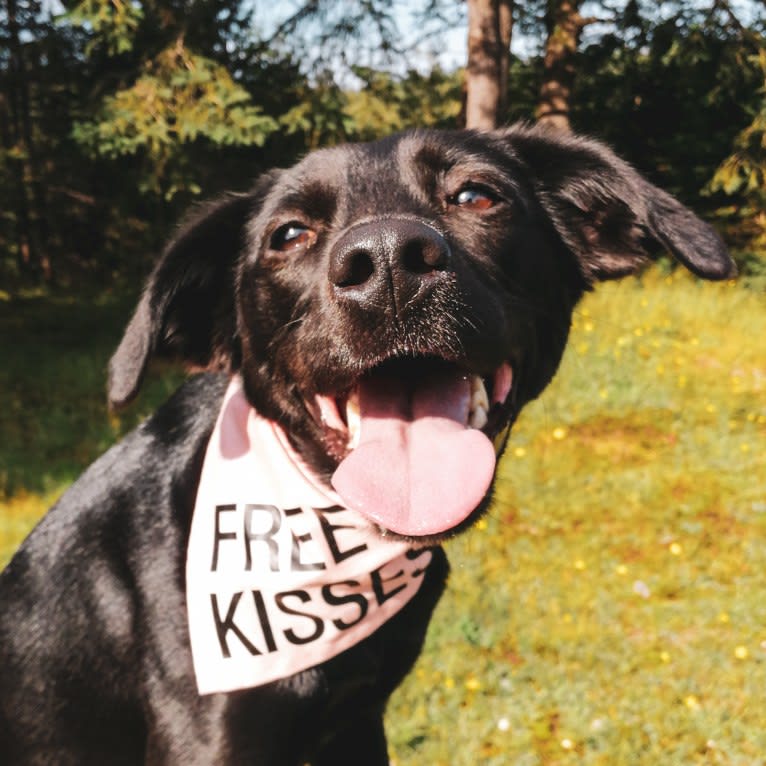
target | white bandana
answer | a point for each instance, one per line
(279, 575)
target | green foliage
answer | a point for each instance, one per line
(742, 175)
(179, 99)
(670, 97)
(319, 117)
(385, 104)
(113, 22)
(674, 98)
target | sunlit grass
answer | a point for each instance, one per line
(611, 608)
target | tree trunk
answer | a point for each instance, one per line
(505, 30)
(31, 221)
(564, 25)
(490, 25)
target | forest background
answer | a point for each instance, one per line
(116, 114)
(609, 610)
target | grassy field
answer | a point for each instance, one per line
(612, 607)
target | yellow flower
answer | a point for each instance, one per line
(676, 549)
(519, 452)
(473, 684)
(559, 433)
(692, 702)
(741, 653)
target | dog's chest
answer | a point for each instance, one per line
(279, 575)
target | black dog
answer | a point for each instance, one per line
(391, 306)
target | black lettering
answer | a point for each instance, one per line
(290, 634)
(350, 598)
(329, 533)
(266, 537)
(263, 617)
(378, 586)
(218, 535)
(414, 555)
(296, 565)
(223, 627)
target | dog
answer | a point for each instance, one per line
(377, 315)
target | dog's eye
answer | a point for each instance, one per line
(473, 198)
(292, 236)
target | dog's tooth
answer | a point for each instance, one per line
(479, 397)
(479, 405)
(478, 418)
(353, 419)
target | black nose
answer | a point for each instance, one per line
(398, 259)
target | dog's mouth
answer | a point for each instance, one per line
(415, 442)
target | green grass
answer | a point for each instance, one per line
(610, 609)
(53, 415)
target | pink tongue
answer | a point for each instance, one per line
(418, 470)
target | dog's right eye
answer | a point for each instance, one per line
(472, 197)
(292, 236)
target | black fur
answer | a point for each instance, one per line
(394, 269)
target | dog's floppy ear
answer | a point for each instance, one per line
(606, 213)
(187, 307)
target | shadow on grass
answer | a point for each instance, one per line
(53, 414)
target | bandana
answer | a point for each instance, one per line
(279, 575)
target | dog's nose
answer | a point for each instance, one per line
(399, 258)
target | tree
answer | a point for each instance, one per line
(180, 93)
(564, 27)
(490, 26)
(19, 144)
(742, 177)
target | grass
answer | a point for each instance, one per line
(53, 415)
(610, 608)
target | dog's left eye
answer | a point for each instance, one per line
(473, 198)
(292, 236)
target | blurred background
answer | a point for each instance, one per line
(116, 114)
(611, 608)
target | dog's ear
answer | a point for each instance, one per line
(606, 213)
(187, 307)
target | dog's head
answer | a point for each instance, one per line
(393, 305)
